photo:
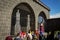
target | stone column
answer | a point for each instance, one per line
(17, 25)
(36, 22)
(28, 23)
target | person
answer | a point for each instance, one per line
(18, 37)
(50, 36)
(23, 35)
(29, 37)
(56, 38)
(37, 34)
(59, 35)
(9, 38)
(41, 36)
(33, 35)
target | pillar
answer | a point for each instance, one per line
(36, 22)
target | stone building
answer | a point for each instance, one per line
(16, 15)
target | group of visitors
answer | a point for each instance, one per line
(30, 35)
(33, 35)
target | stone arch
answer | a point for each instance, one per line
(23, 8)
(43, 19)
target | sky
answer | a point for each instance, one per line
(54, 6)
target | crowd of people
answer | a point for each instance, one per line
(30, 35)
(34, 35)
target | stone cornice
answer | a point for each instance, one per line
(42, 4)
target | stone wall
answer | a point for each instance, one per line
(6, 9)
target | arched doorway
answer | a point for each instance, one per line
(26, 16)
(42, 20)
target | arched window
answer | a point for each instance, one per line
(42, 19)
(24, 10)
